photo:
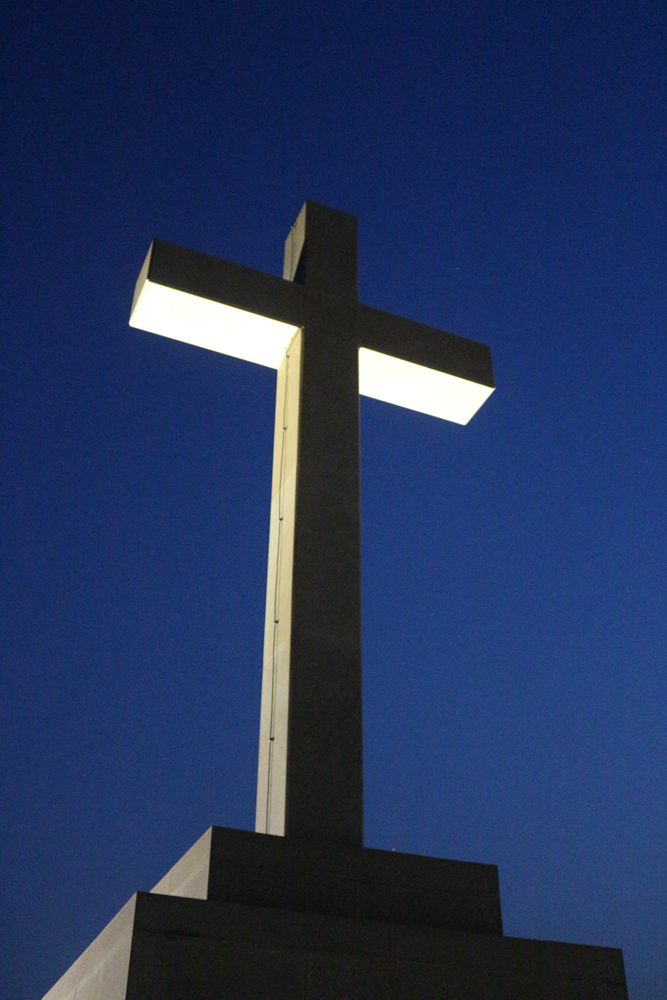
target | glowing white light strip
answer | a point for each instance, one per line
(241, 334)
(417, 388)
(212, 325)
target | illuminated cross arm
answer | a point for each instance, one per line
(327, 348)
(254, 316)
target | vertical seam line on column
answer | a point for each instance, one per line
(276, 592)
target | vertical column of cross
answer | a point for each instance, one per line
(310, 766)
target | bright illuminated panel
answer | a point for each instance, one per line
(204, 323)
(417, 388)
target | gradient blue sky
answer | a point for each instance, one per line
(507, 162)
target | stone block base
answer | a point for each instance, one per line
(277, 919)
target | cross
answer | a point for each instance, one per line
(328, 348)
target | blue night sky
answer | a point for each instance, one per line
(508, 165)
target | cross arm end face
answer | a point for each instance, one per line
(423, 368)
(208, 302)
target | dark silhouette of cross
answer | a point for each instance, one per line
(327, 348)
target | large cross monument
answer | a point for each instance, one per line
(327, 348)
(310, 913)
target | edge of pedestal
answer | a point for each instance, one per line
(190, 875)
(252, 869)
(102, 969)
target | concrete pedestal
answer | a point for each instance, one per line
(249, 916)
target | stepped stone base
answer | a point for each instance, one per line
(248, 916)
